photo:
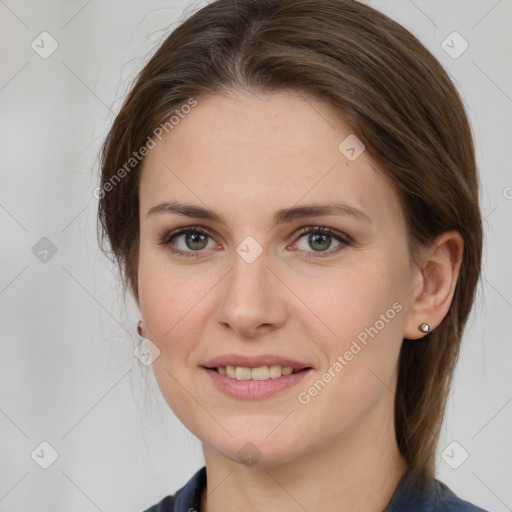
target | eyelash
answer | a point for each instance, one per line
(320, 230)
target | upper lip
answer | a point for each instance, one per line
(254, 361)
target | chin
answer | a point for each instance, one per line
(251, 450)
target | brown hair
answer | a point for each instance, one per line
(397, 98)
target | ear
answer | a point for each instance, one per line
(437, 277)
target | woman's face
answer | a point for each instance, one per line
(257, 280)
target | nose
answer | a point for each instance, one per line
(251, 301)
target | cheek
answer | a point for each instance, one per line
(361, 357)
(167, 298)
(172, 299)
(161, 304)
(359, 311)
(354, 297)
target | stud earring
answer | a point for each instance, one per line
(139, 328)
(424, 327)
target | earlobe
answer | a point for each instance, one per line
(424, 327)
(139, 329)
(439, 274)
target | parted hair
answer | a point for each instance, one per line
(398, 100)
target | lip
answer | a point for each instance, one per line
(255, 389)
(254, 361)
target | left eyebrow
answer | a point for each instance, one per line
(341, 209)
(282, 216)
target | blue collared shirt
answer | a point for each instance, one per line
(408, 497)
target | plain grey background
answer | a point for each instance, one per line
(68, 374)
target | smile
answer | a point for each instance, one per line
(255, 383)
(261, 373)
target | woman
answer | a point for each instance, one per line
(290, 191)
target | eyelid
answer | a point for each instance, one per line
(168, 236)
(344, 239)
(325, 230)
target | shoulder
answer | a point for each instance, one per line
(186, 499)
(445, 500)
(166, 505)
(416, 495)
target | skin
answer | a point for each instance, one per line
(245, 156)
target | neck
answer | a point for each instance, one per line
(358, 471)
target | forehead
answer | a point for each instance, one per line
(251, 154)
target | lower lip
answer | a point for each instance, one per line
(253, 389)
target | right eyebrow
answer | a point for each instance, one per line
(280, 217)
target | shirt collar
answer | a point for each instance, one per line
(409, 494)
(412, 494)
(189, 497)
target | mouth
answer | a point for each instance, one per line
(265, 372)
(246, 383)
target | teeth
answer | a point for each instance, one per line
(261, 373)
(242, 373)
(274, 371)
